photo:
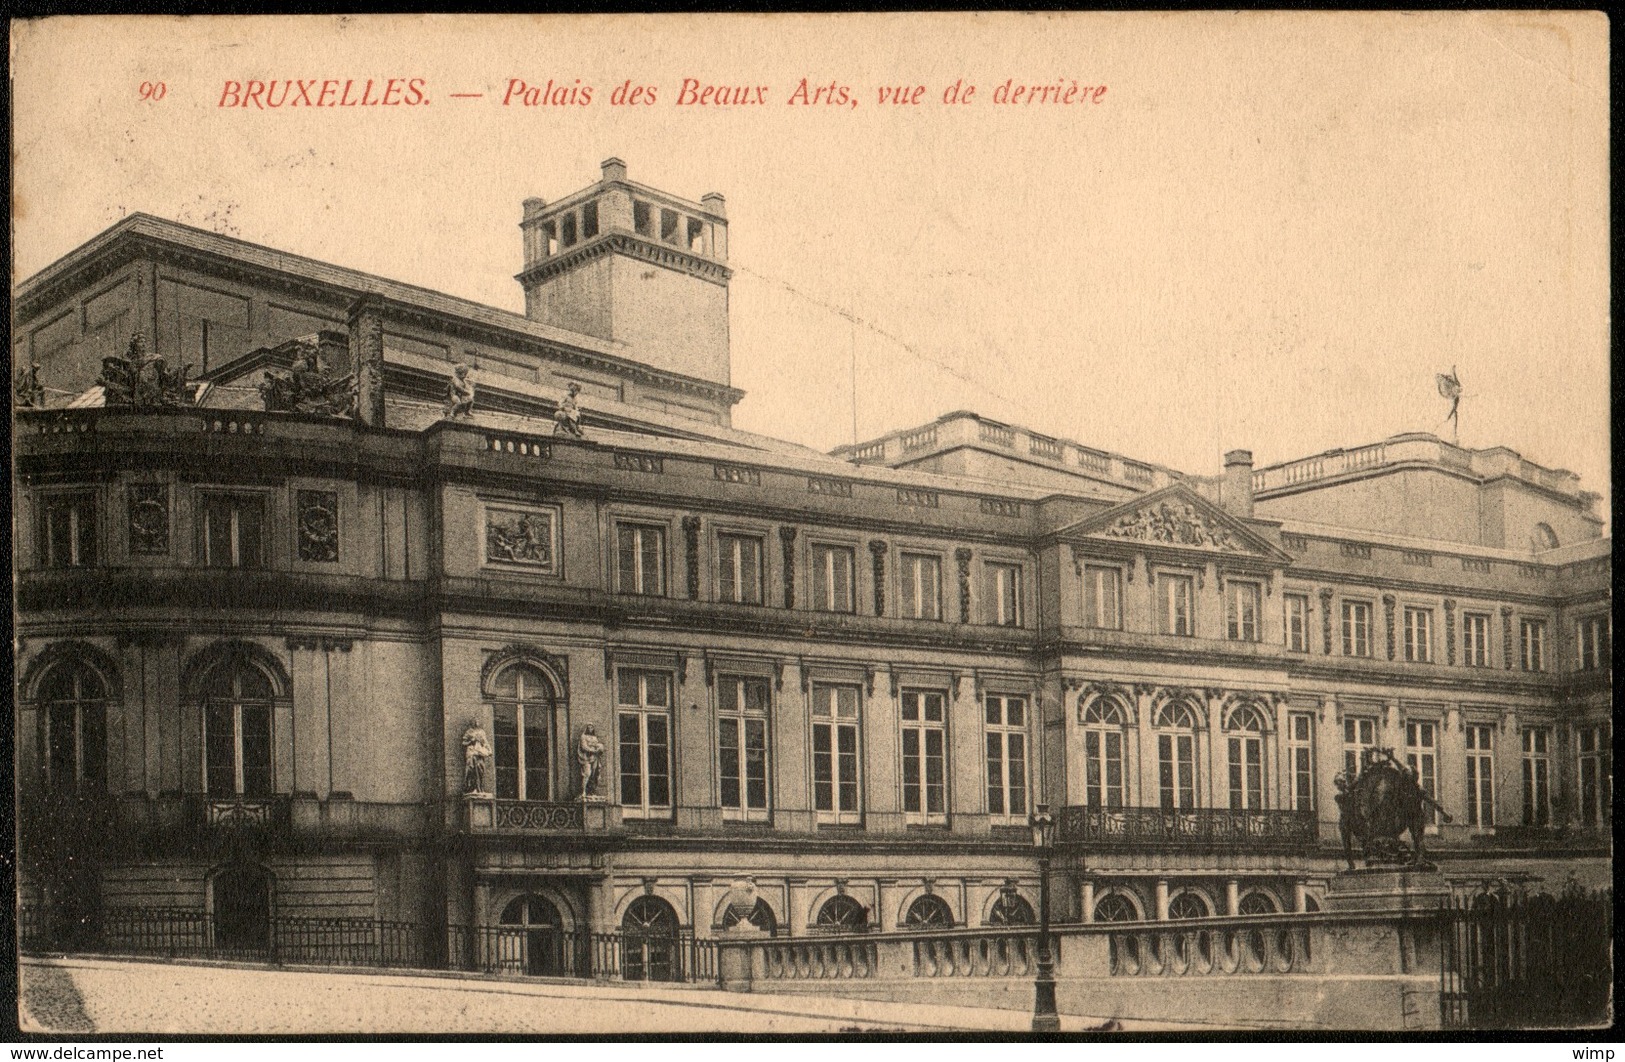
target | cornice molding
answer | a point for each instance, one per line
(633, 246)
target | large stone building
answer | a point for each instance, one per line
(252, 645)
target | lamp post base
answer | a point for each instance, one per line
(1045, 1017)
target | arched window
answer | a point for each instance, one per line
(1010, 909)
(1544, 537)
(522, 730)
(929, 912)
(842, 914)
(1245, 729)
(73, 710)
(535, 943)
(1257, 903)
(1188, 905)
(1310, 904)
(1105, 736)
(238, 696)
(1115, 907)
(761, 916)
(1176, 722)
(649, 941)
(241, 896)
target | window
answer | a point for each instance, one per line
(1532, 644)
(1359, 734)
(921, 576)
(73, 708)
(668, 225)
(1105, 727)
(835, 754)
(1102, 597)
(522, 723)
(1115, 907)
(1010, 909)
(641, 559)
(641, 223)
(1356, 628)
(761, 916)
(567, 228)
(1475, 639)
(1241, 606)
(842, 914)
(1188, 905)
(1592, 633)
(1246, 759)
(1004, 594)
(832, 578)
(742, 746)
(1006, 719)
(1176, 756)
(1595, 775)
(1537, 777)
(1174, 611)
(1480, 774)
(1418, 635)
(929, 912)
(1297, 623)
(739, 569)
(649, 941)
(589, 221)
(233, 528)
(237, 731)
(68, 530)
(644, 716)
(1300, 755)
(1257, 903)
(925, 775)
(1422, 757)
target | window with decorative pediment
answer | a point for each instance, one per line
(1176, 604)
(1103, 597)
(1245, 740)
(1243, 605)
(1105, 745)
(1176, 726)
(239, 696)
(522, 699)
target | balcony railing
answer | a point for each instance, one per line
(1192, 828)
(482, 814)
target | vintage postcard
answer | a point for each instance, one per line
(812, 524)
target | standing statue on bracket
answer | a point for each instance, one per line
(567, 418)
(460, 394)
(590, 757)
(476, 761)
(1384, 800)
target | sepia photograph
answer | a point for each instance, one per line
(823, 525)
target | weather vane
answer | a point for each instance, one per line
(1450, 387)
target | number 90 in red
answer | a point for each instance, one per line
(152, 90)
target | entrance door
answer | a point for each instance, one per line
(537, 935)
(242, 908)
(649, 940)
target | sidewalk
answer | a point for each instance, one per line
(84, 995)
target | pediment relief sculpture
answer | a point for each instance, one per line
(1177, 523)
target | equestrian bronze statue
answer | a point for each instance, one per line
(1381, 802)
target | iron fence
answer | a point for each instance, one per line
(533, 951)
(1196, 827)
(1510, 961)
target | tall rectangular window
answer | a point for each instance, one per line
(1356, 628)
(1175, 605)
(1297, 623)
(641, 559)
(1006, 719)
(1480, 775)
(1176, 770)
(739, 569)
(1594, 775)
(1592, 635)
(1532, 644)
(832, 578)
(68, 530)
(1300, 756)
(1246, 772)
(644, 716)
(1105, 784)
(1422, 757)
(1004, 594)
(1475, 639)
(925, 752)
(1359, 734)
(921, 578)
(742, 704)
(1418, 635)
(835, 754)
(233, 531)
(1242, 603)
(1537, 776)
(1102, 597)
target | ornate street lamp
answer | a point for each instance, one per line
(1045, 1017)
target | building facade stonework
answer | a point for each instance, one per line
(704, 664)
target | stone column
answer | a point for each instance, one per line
(366, 321)
(1452, 771)
(1162, 899)
(1145, 792)
(1215, 784)
(1232, 897)
(1328, 764)
(796, 915)
(1088, 899)
(1300, 897)
(1509, 771)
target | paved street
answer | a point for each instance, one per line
(73, 995)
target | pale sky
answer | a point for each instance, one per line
(1270, 232)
